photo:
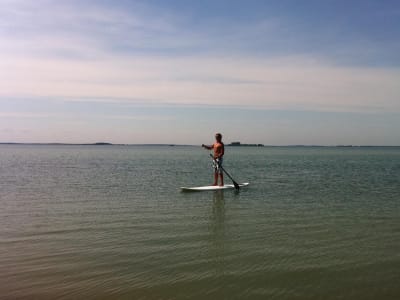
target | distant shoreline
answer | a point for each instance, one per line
(186, 145)
(238, 144)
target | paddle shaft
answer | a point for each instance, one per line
(234, 182)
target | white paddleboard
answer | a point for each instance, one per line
(211, 187)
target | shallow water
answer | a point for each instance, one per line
(110, 222)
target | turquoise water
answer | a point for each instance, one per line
(89, 222)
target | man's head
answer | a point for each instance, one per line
(218, 137)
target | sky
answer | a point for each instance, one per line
(137, 72)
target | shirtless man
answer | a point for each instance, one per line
(219, 150)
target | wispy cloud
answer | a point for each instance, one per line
(290, 84)
(82, 29)
(22, 115)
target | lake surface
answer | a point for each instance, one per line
(110, 222)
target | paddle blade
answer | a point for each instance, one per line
(236, 185)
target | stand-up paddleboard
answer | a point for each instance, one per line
(211, 187)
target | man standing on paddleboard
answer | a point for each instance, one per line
(219, 150)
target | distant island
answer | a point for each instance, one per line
(102, 144)
(239, 144)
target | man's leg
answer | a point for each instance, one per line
(221, 176)
(215, 178)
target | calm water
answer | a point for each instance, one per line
(89, 222)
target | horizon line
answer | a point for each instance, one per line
(191, 145)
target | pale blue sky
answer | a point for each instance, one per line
(272, 72)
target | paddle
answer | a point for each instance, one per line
(234, 182)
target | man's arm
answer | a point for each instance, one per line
(208, 147)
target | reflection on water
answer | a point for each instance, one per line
(218, 242)
(218, 210)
